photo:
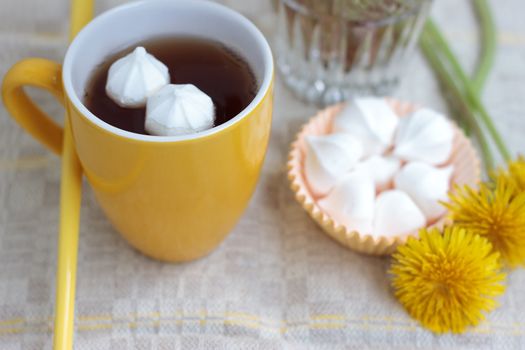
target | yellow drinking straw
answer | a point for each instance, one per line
(70, 196)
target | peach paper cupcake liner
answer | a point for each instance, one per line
(464, 159)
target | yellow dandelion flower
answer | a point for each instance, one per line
(495, 211)
(447, 280)
(516, 173)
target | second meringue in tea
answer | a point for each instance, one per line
(211, 67)
(178, 110)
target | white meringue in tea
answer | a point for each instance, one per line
(380, 169)
(396, 214)
(426, 185)
(351, 203)
(328, 158)
(425, 136)
(135, 77)
(371, 120)
(179, 109)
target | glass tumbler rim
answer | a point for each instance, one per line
(388, 20)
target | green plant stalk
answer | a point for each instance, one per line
(432, 31)
(456, 97)
(488, 49)
(488, 35)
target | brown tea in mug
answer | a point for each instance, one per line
(209, 65)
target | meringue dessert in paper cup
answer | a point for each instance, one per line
(372, 172)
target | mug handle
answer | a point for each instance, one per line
(40, 73)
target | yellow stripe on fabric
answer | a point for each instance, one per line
(24, 163)
(11, 322)
(328, 317)
(86, 323)
(13, 331)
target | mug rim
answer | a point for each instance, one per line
(73, 97)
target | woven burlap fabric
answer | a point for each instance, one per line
(277, 282)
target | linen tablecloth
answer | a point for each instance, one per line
(277, 282)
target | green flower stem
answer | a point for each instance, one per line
(488, 34)
(456, 97)
(488, 49)
(438, 39)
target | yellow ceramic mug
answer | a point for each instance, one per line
(173, 198)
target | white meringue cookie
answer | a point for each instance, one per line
(351, 203)
(369, 119)
(424, 136)
(329, 158)
(426, 185)
(396, 214)
(178, 110)
(381, 169)
(135, 77)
